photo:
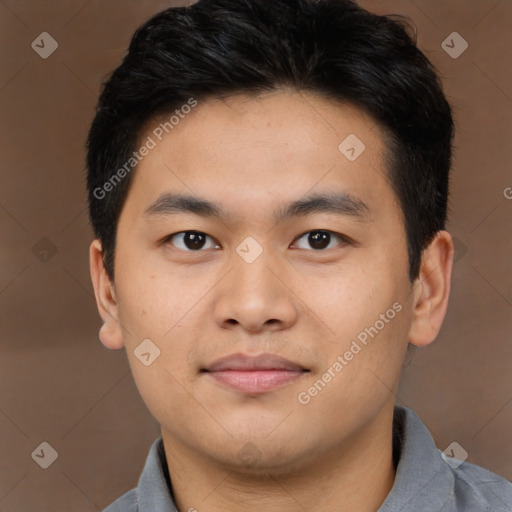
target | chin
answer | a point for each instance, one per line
(265, 461)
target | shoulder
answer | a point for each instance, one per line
(428, 480)
(128, 502)
(477, 486)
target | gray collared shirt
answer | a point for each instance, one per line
(426, 481)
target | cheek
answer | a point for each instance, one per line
(346, 300)
(170, 310)
(166, 392)
(157, 299)
(165, 309)
(366, 314)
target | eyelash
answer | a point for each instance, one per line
(344, 239)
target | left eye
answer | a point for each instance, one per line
(191, 240)
(320, 239)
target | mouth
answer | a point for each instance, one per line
(254, 374)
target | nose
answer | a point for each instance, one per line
(256, 296)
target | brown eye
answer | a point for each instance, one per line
(320, 239)
(191, 241)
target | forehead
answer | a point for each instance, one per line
(246, 150)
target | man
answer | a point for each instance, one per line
(268, 186)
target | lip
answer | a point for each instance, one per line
(255, 374)
(247, 362)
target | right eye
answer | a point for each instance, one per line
(189, 241)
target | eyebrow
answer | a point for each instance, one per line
(339, 203)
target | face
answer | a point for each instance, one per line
(299, 254)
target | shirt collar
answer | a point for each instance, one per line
(420, 467)
(419, 470)
(153, 490)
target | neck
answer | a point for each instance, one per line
(358, 473)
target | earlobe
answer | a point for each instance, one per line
(431, 290)
(111, 336)
(110, 333)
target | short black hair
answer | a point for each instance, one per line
(335, 48)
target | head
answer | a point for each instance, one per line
(270, 177)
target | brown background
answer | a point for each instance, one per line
(60, 385)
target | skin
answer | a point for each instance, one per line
(251, 155)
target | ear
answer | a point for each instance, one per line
(431, 290)
(110, 333)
